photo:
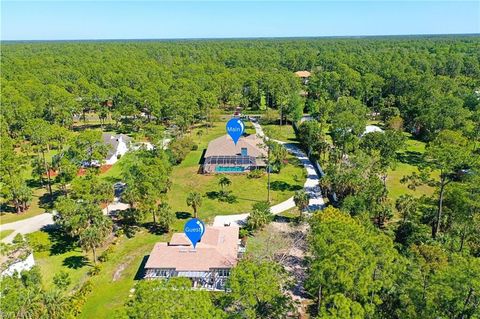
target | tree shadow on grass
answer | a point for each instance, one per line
(75, 262)
(284, 186)
(183, 215)
(226, 198)
(46, 201)
(140, 271)
(155, 229)
(34, 183)
(61, 243)
(412, 158)
(213, 194)
(4, 208)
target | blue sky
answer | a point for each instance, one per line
(57, 20)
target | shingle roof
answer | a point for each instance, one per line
(224, 146)
(217, 249)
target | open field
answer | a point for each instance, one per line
(283, 133)
(185, 178)
(117, 276)
(410, 158)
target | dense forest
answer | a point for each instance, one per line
(371, 255)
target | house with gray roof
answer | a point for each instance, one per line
(118, 145)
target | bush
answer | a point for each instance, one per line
(95, 270)
(194, 147)
(244, 232)
(62, 280)
(256, 173)
(18, 239)
(77, 300)
(105, 255)
(39, 241)
(179, 148)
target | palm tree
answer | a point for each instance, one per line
(194, 199)
(98, 229)
(260, 216)
(55, 304)
(224, 182)
(301, 200)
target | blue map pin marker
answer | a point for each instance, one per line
(194, 229)
(235, 129)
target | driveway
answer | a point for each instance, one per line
(26, 226)
(36, 223)
(311, 187)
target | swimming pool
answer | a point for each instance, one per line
(236, 169)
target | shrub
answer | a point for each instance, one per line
(95, 270)
(105, 255)
(260, 216)
(39, 241)
(62, 280)
(78, 299)
(244, 232)
(256, 173)
(18, 239)
(179, 148)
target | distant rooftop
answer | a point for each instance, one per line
(303, 74)
(113, 140)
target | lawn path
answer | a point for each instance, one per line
(311, 186)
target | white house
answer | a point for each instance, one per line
(118, 146)
(371, 129)
(19, 265)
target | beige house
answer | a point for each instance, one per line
(207, 266)
(224, 156)
(304, 75)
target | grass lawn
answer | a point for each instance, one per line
(5, 233)
(118, 275)
(33, 210)
(114, 174)
(185, 178)
(410, 160)
(73, 262)
(283, 133)
(396, 189)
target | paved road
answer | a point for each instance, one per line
(311, 187)
(35, 223)
(27, 226)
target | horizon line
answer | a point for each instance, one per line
(245, 38)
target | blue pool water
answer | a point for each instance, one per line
(229, 169)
